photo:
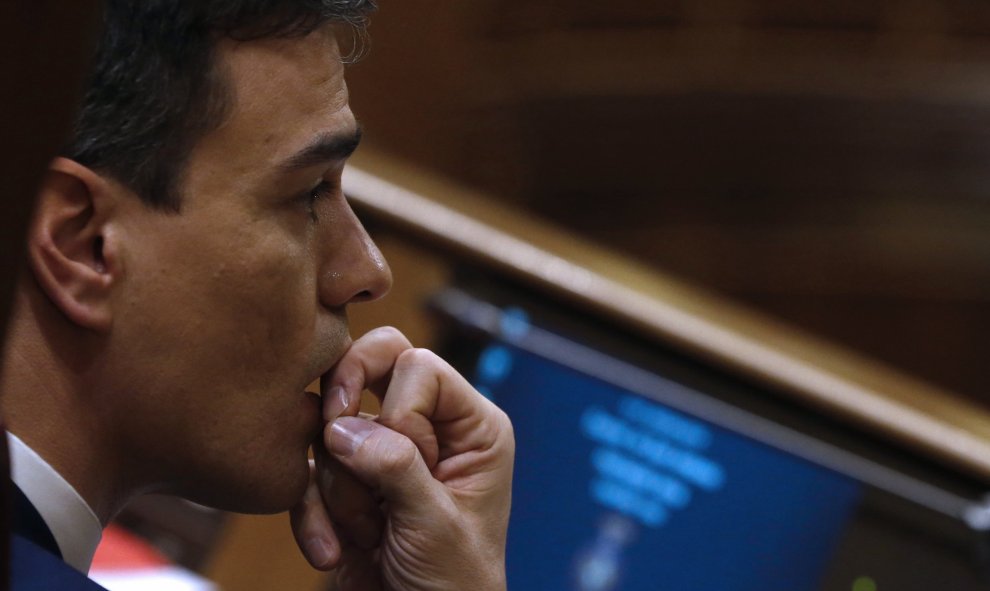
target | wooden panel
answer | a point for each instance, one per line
(877, 206)
(826, 62)
(759, 147)
(545, 15)
(949, 336)
(916, 414)
(968, 17)
(258, 553)
(834, 14)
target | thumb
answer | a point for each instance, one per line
(384, 460)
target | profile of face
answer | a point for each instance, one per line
(226, 311)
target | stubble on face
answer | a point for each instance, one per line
(224, 323)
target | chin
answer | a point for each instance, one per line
(256, 492)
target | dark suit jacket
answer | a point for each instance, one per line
(35, 560)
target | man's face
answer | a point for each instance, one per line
(227, 311)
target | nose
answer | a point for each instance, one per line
(354, 270)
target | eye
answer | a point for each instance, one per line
(315, 194)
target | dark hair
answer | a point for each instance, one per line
(154, 90)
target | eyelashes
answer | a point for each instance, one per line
(315, 195)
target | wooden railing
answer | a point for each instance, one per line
(478, 229)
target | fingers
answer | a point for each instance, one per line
(351, 505)
(387, 461)
(359, 571)
(422, 396)
(427, 398)
(437, 461)
(312, 528)
(367, 364)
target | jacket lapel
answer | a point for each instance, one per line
(27, 523)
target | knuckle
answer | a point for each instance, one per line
(505, 437)
(388, 333)
(505, 423)
(498, 418)
(417, 357)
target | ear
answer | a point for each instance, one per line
(68, 248)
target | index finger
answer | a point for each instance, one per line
(367, 364)
(422, 396)
(430, 399)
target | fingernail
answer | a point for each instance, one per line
(348, 433)
(336, 403)
(319, 551)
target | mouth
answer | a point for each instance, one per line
(319, 380)
(314, 402)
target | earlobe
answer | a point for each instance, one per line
(70, 247)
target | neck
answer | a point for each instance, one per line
(52, 404)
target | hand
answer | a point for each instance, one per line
(418, 497)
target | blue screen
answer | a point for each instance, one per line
(614, 491)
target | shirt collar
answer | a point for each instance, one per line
(75, 527)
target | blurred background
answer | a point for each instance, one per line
(824, 162)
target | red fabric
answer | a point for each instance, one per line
(122, 550)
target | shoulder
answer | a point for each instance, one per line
(35, 569)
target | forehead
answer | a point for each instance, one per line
(283, 93)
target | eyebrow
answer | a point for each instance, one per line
(326, 147)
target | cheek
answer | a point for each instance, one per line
(233, 303)
(267, 295)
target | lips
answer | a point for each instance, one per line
(319, 381)
(318, 378)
